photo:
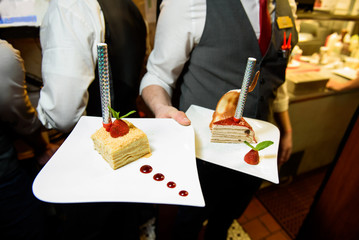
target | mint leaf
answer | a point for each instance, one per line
(133, 111)
(114, 113)
(249, 145)
(117, 114)
(263, 145)
(260, 146)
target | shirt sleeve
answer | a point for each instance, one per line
(281, 102)
(15, 105)
(178, 30)
(68, 39)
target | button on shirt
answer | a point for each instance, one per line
(166, 62)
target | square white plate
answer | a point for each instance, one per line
(232, 155)
(77, 173)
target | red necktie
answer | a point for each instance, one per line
(265, 26)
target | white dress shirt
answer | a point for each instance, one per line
(69, 35)
(173, 45)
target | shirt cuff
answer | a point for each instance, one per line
(280, 105)
(150, 79)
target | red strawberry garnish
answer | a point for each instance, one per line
(252, 157)
(119, 128)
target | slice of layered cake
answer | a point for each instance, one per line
(121, 143)
(230, 131)
(223, 126)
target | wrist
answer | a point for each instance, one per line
(286, 131)
(160, 110)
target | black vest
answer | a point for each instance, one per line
(125, 35)
(218, 63)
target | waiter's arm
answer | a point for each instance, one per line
(282, 118)
(286, 143)
(172, 50)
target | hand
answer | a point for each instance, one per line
(335, 85)
(340, 86)
(43, 157)
(165, 111)
(285, 148)
(158, 100)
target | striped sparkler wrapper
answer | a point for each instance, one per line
(251, 62)
(104, 79)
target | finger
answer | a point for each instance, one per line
(181, 118)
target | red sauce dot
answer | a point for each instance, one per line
(183, 193)
(146, 169)
(171, 184)
(159, 177)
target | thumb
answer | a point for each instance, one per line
(181, 118)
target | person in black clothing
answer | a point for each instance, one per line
(200, 53)
(22, 216)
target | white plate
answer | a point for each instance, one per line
(232, 155)
(77, 173)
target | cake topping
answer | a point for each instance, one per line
(252, 157)
(232, 121)
(226, 106)
(119, 127)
